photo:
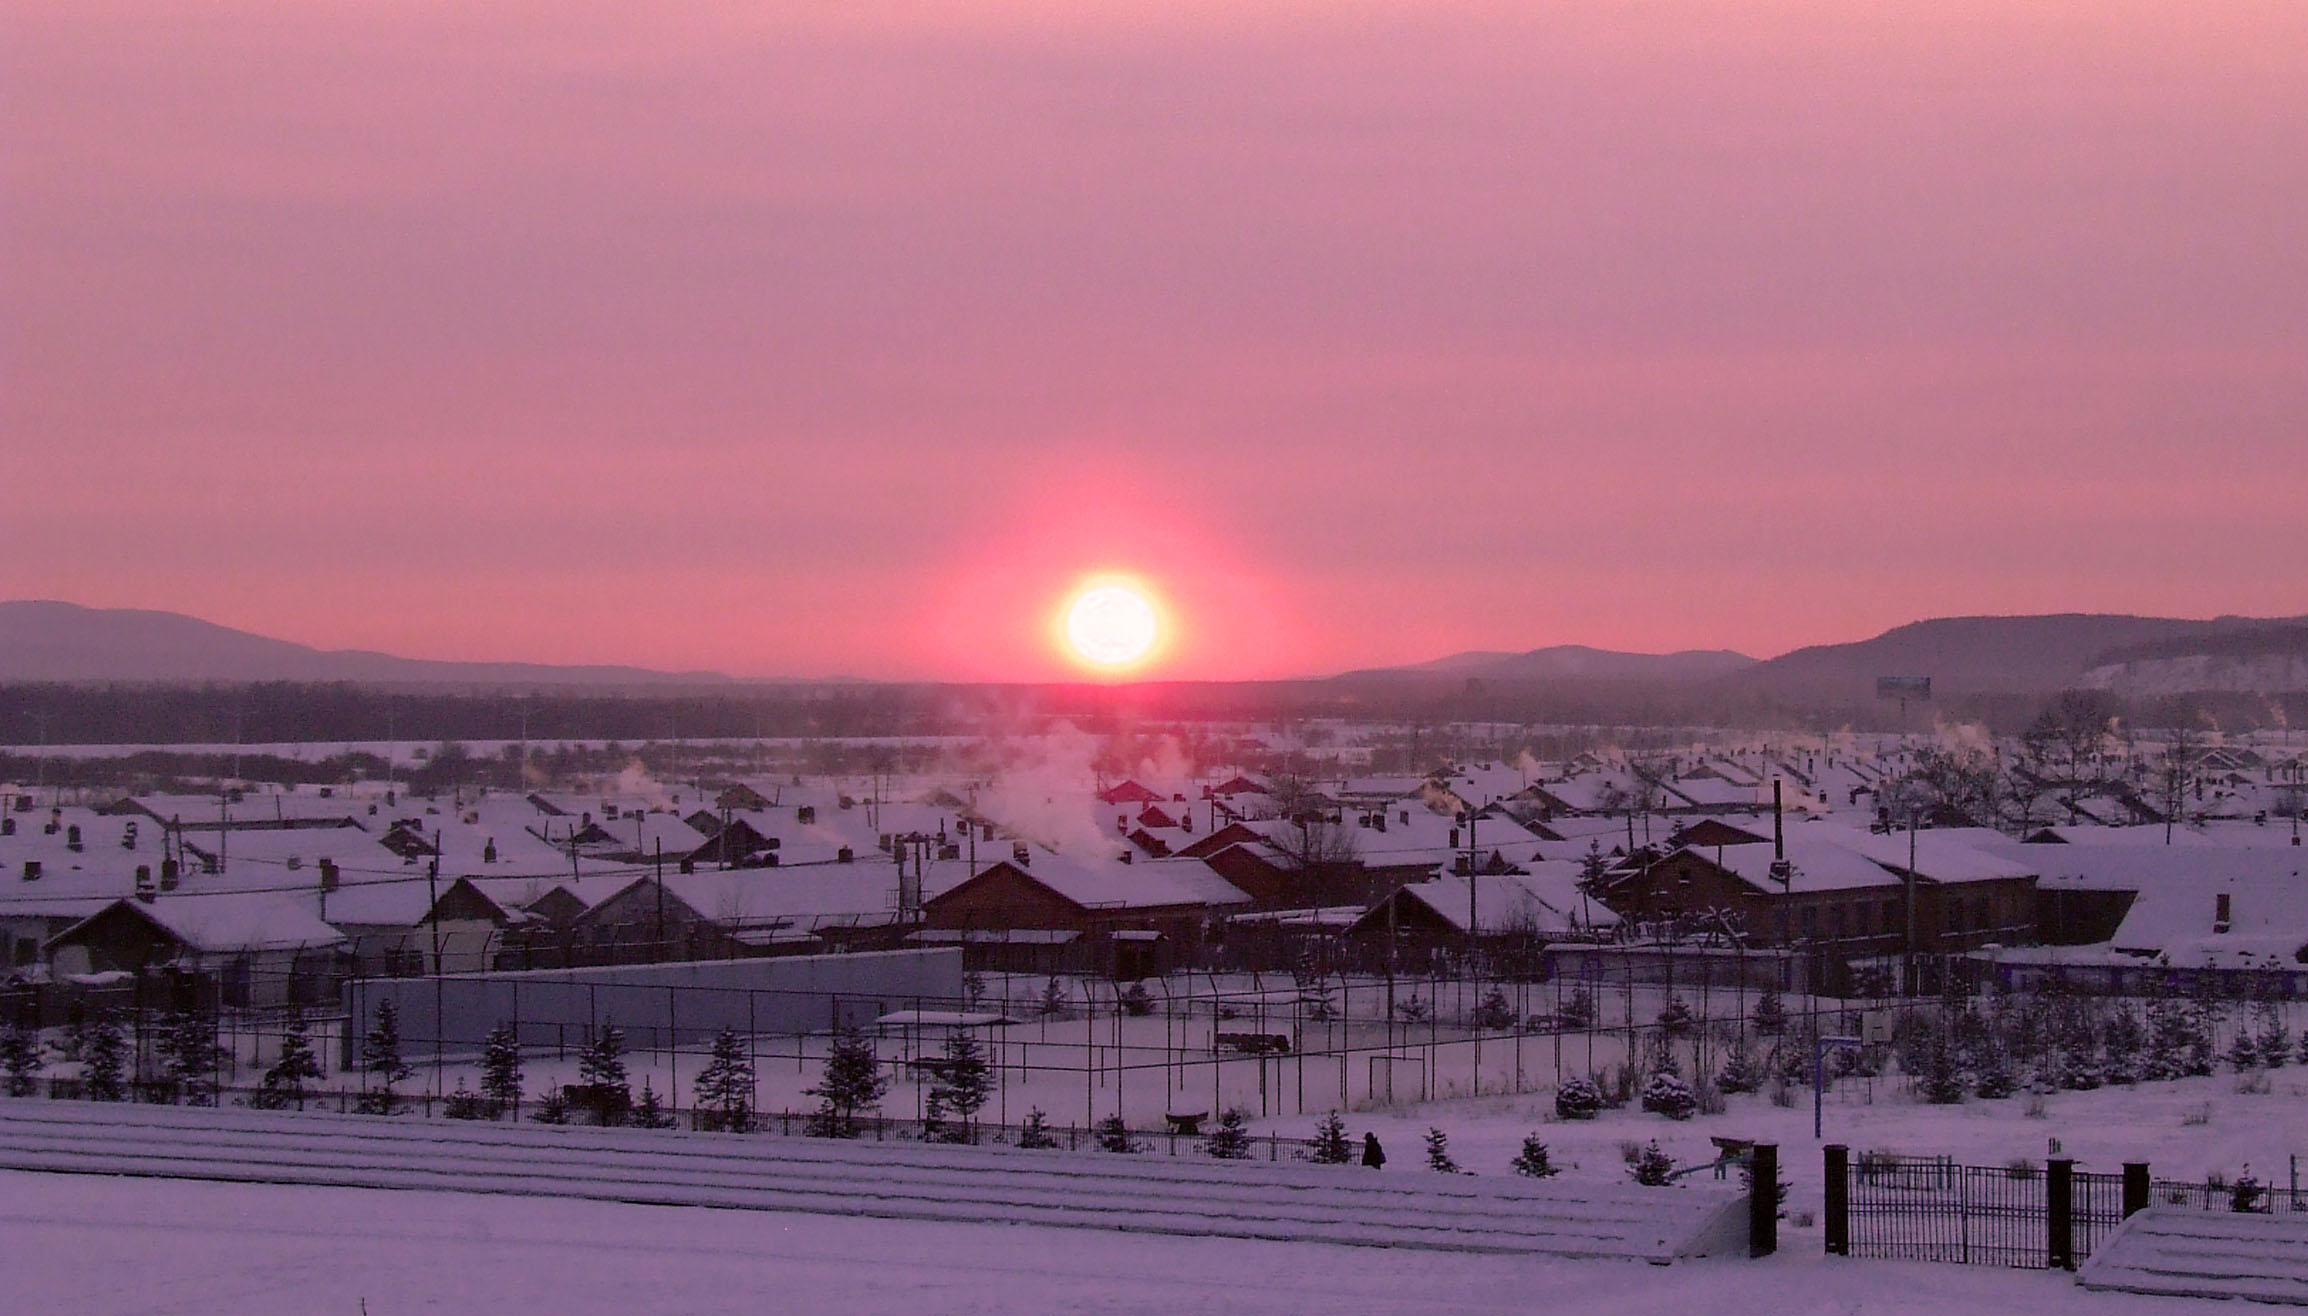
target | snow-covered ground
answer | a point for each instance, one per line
(100, 1246)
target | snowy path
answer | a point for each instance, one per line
(98, 1246)
(893, 1180)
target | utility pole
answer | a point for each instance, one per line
(440, 990)
(1911, 910)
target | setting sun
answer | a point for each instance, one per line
(1111, 625)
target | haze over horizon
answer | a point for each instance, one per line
(848, 341)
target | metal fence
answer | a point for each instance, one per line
(2025, 1215)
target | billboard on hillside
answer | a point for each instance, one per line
(1903, 687)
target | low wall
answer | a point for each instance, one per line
(656, 1004)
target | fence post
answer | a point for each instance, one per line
(2059, 1213)
(1763, 1199)
(2135, 1188)
(1838, 1209)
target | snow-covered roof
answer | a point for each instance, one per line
(1545, 900)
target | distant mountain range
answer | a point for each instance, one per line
(47, 641)
(1572, 662)
(2147, 656)
(1961, 655)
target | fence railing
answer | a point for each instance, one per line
(2023, 1215)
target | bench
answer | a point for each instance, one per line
(1730, 1152)
(1253, 1044)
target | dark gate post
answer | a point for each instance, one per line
(1763, 1199)
(1838, 1221)
(2059, 1212)
(2135, 1188)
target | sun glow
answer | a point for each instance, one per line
(1112, 625)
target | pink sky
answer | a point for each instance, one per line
(802, 339)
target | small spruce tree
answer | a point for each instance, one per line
(1330, 1146)
(2244, 1052)
(1034, 1134)
(289, 1079)
(1230, 1141)
(1438, 1152)
(1667, 1094)
(189, 1056)
(20, 1059)
(501, 1071)
(601, 1067)
(1578, 1009)
(1534, 1161)
(1740, 1072)
(725, 1087)
(1053, 1000)
(1114, 1136)
(2275, 1042)
(103, 1058)
(1137, 1002)
(554, 1109)
(1674, 1017)
(381, 1060)
(648, 1111)
(964, 1083)
(1494, 1012)
(852, 1083)
(465, 1104)
(1578, 1098)
(1652, 1167)
(1770, 1017)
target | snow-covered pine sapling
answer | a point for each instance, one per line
(1114, 1136)
(465, 1104)
(1034, 1134)
(964, 1083)
(1942, 1077)
(1770, 1017)
(20, 1059)
(1740, 1072)
(725, 1087)
(973, 988)
(2248, 1193)
(103, 1058)
(1578, 1009)
(1534, 1161)
(1137, 1002)
(1667, 1094)
(381, 1061)
(2123, 1039)
(554, 1109)
(501, 1071)
(1494, 1012)
(853, 1082)
(1053, 1001)
(2244, 1052)
(1674, 1017)
(1438, 1153)
(2275, 1043)
(1330, 1146)
(601, 1068)
(1230, 1141)
(1578, 1098)
(648, 1111)
(293, 1072)
(1652, 1167)
(190, 1056)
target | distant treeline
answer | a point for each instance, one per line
(286, 712)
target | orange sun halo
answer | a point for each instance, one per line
(1111, 625)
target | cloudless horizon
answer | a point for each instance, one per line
(804, 340)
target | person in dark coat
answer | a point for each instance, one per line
(1373, 1155)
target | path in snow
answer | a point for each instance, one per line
(98, 1246)
(896, 1180)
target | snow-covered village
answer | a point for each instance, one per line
(1388, 658)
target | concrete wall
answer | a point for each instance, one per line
(682, 1003)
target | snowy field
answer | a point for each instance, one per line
(104, 1246)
